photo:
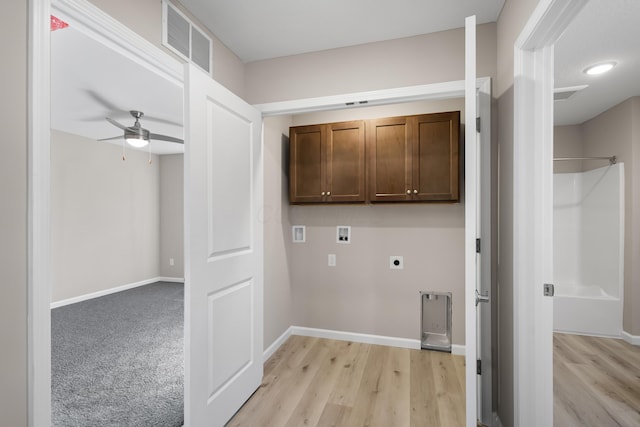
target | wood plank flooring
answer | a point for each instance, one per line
(596, 382)
(320, 382)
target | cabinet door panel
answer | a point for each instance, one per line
(389, 159)
(345, 162)
(435, 160)
(306, 160)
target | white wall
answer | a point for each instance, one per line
(104, 216)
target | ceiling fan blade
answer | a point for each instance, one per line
(116, 124)
(112, 138)
(165, 138)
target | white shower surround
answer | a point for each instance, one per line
(588, 251)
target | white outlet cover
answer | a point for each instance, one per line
(396, 262)
(298, 234)
(331, 260)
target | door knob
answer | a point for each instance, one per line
(481, 297)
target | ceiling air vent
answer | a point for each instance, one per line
(184, 38)
(564, 93)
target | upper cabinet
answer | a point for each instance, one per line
(412, 158)
(327, 163)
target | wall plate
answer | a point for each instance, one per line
(298, 234)
(343, 234)
(396, 262)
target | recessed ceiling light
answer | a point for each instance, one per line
(599, 68)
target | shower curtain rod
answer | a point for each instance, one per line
(612, 159)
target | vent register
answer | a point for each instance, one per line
(184, 38)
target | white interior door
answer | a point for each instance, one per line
(224, 251)
(471, 222)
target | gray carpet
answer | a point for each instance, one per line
(118, 360)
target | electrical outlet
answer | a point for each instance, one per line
(332, 260)
(396, 262)
(171, 261)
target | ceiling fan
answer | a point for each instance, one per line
(136, 135)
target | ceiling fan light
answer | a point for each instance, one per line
(137, 141)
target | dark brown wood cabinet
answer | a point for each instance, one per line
(410, 158)
(326, 163)
(413, 158)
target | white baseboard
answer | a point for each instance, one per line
(92, 295)
(631, 339)
(276, 344)
(365, 338)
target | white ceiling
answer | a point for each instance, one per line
(90, 81)
(262, 29)
(605, 30)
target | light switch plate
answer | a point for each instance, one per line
(331, 260)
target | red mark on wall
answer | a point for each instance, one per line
(57, 24)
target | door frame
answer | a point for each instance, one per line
(96, 24)
(532, 209)
(123, 40)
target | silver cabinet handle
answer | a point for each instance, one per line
(322, 194)
(328, 193)
(408, 191)
(415, 191)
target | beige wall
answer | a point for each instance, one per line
(171, 215)
(278, 293)
(615, 132)
(104, 216)
(567, 142)
(145, 18)
(511, 21)
(13, 216)
(361, 294)
(431, 58)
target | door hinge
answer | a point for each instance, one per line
(477, 246)
(549, 289)
(478, 121)
(479, 367)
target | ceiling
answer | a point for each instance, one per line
(90, 81)
(605, 30)
(263, 29)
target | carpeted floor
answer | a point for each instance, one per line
(118, 360)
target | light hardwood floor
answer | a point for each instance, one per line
(596, 382)
(320, 382)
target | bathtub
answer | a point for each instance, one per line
(588, 251)
(586, 310)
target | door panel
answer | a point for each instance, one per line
(224, 251)
(389, 151)
(306, 160)
(345, 162)
(436, 161)
(229, 169)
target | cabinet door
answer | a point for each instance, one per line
(435, 156)
(388, 160)
(306, 159)
(344, 164)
